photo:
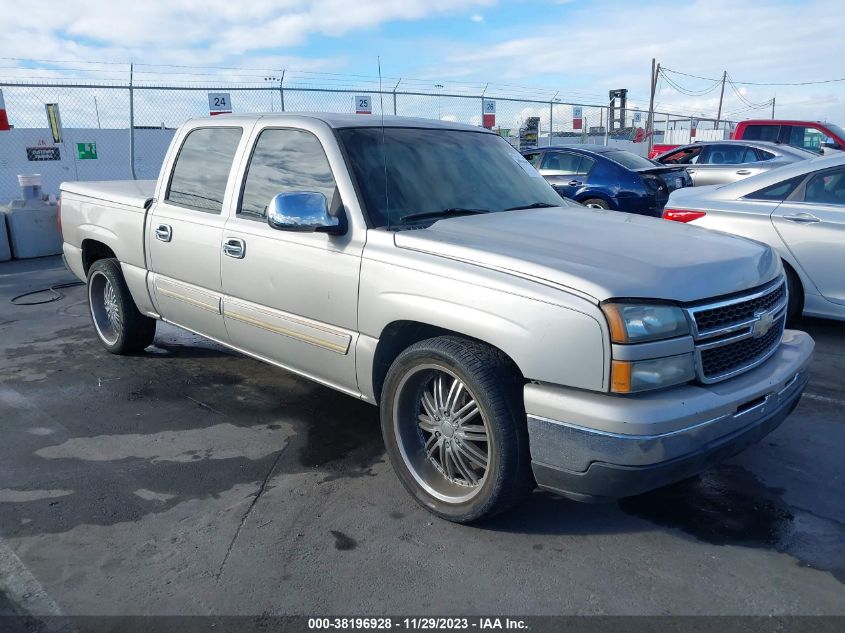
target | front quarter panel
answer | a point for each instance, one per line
(551, 335)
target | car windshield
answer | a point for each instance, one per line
(630, 160)
(434, 173)
(835, 129)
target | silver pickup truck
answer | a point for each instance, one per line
(511, 338)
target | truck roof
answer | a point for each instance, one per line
(338, 121)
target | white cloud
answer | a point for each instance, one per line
(477, 17)
(611, 45)
(196, 31)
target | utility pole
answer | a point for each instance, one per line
(650, 122)
(773, 107)
(721, 97)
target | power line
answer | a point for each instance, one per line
(761, 83)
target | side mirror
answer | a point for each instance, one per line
(830, 145)
(303, 211)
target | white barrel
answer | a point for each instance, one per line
(30, 186)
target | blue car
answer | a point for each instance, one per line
(609, 177)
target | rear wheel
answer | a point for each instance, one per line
(454, 426)
(121, 328)
(596, 203)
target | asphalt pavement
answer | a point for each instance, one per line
(192, 480)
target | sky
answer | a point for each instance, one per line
(577, 48)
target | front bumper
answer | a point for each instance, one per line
(597, 447)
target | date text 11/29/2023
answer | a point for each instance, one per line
(421, 623)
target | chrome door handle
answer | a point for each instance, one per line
(690, 171)
(574, 183)
(802, 218)
(164, 232)
(743, 172)
(235, 248)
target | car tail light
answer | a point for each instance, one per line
(682, 215)
(59, 214)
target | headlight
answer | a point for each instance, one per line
(641, 322)
(641, 375)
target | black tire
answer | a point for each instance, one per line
(489, 378)
(596, 203)
(121, 328)
(796, 295)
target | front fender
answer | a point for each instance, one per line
(549, 341)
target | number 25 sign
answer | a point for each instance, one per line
(363, 105)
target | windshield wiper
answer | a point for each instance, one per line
(533, 205)
(442, 213)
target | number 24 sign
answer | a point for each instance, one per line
(219, 102)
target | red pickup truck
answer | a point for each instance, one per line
(810, 135)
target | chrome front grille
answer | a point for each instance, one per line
(737, 334)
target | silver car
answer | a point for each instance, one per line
(798, 210)
(721, 162)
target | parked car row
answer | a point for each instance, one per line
(791, 199)
(812, 136)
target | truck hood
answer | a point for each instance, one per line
(603, 254)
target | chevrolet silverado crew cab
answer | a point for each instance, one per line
(510, 338)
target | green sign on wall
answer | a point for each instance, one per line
(86, 151)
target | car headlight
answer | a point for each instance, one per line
(641, 322)
(642, 375)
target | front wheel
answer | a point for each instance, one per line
(796, 295)
(120, 326)
(596, 203)
(453, 422)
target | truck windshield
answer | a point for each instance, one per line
(430, 171)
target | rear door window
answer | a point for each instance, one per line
(761, 133)
(202, 168)
(564, 162)
(730, 155)
(764, 155)
(826, 188)
(779, 191)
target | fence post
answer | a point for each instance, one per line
(607, 127)
(552, 117)
(132, 123)
(394, 95)
(282, 90)
(483, 92)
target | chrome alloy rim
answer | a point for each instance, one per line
(442, 433)
(105, 310)
(594, 206)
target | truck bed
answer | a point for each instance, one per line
(112, 213)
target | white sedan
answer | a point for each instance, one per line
(798, 210)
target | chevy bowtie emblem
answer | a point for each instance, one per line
(763, 324)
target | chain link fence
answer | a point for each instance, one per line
(112, 130)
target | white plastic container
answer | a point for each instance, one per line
(33, 228)
(5, 251)
(30, 185)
